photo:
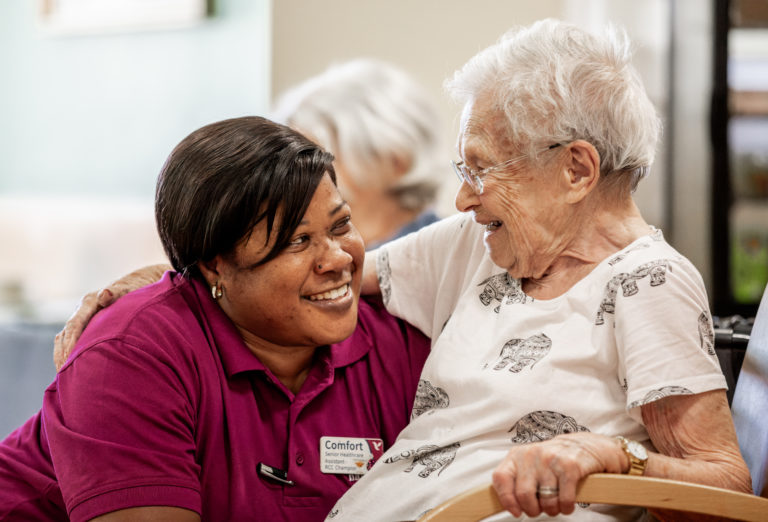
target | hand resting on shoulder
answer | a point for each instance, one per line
(92, 302)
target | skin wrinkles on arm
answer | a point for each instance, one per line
(94, 301)
(708, 448)
(694, 451)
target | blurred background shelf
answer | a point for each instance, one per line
(745, 103)
(749, 13)
(739, 133)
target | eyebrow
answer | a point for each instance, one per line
(333, 211)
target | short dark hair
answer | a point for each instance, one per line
(225, 178)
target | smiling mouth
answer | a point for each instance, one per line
(331, 294)
(493, 225)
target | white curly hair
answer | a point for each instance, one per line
(554, 83)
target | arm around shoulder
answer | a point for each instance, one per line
(92, 302)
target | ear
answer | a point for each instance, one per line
(581, 170)
(210, 270)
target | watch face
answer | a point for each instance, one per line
(637, 449)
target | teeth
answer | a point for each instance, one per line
(332, 294)
(493, 225)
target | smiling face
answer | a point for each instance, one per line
(307, 296)
(521, 207)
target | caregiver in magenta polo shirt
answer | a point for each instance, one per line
(246, 384)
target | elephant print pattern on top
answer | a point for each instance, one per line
(429, 398)
(655, 395)
(384, 276)
(432, 458)
(500, 286)
(656, 235)
(519, 353)
(706, 334)
(656, 271)
(624, 254)
(543, 425)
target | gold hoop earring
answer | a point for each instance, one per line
(217, 291)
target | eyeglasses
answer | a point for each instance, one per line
(474, 178)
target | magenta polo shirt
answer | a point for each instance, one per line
(28, 487)
(163, 404)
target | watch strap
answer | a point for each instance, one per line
(636, 464)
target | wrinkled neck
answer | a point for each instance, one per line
(598, 229)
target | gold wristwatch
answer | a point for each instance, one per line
(638, 457)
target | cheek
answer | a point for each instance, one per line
(265, 293)
(510, 208)
(353, 244)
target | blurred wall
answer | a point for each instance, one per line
(86, 122)
(691, 154)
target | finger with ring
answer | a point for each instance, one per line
(547, 492)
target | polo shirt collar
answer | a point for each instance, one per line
(357, 345)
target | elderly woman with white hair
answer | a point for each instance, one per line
(568, 337)
(384, 132)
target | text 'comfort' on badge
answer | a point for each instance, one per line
(349, 455)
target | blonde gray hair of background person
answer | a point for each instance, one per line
(601, 101)
(379, 123)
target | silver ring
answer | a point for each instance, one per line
(547, 492)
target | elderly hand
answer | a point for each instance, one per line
(556, 465)
(94, 301)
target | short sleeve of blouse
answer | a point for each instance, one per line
(421, 275)
(663, 330)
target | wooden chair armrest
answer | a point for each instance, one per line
(626, 490)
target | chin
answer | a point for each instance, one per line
(342, 329)
(503, 260)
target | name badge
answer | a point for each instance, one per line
(349, 455)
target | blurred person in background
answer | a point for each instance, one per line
(384, 132)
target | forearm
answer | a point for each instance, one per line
(720, 471)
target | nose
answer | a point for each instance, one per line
(466, 199)
(333, 257)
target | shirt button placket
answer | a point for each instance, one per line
(300, 458)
